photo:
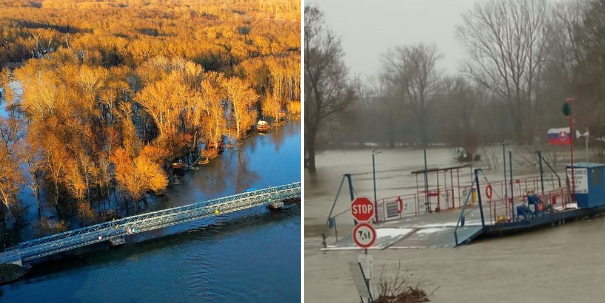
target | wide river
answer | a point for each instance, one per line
(562, 264)
(251, 256)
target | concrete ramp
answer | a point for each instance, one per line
(467, 233)
(385, 238)
(413, 237)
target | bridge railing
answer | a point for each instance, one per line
(279, 192)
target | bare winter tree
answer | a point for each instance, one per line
(462, 103)
(588, 29)
(560, 71)
(326, 88)
(507, 44)
(413, 71)
(389, 108)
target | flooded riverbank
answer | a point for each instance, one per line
(549, 265)
(234, 258)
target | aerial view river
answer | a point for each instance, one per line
(249, 256)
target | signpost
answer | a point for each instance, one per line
(362, 209)
(364, 236)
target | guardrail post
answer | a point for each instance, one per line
(479, 196)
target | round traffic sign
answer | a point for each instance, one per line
(362, 209)
(364, 235)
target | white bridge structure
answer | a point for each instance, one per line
(115, 231)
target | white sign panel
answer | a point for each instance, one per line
(581, 179)
(367, 264)
(359, 279)
(380, 211)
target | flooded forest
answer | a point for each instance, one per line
(101, 98)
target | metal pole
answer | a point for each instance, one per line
(350, 180)
(479, 196)
(504, 166)
(374, 177)
(427, 205)
(539, 153)
(586, 147)
(332, 209)
(573, 179)
(512, 193)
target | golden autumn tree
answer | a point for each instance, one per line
(11, 177)
(139, 174)
(111, 96)
(32, 157)
(212, 98)
(10, 183)
(242, 99)
(165, 100)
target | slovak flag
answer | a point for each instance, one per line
(559, 136)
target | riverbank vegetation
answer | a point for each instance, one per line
(524, 58)
(103, 96)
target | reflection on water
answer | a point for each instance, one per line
(260, 161)
(240, 261)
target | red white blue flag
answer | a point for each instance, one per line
(559, 136)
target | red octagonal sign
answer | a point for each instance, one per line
(362, 209)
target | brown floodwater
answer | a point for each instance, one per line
(563, 264)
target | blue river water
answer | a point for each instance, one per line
(251, 256)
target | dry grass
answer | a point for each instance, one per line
(399, 289)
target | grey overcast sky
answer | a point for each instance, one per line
(368, 28)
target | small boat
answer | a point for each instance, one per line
(203, 160)
(275, 205)
(262, 126)
(178, 169)
(459, 153)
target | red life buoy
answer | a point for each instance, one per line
(488, 191)
(400, 201)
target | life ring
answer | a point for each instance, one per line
(400, 204)
(489, 191)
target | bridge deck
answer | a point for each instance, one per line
(108, 231)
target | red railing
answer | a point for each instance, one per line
(496, 196)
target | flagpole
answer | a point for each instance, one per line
(573, 180)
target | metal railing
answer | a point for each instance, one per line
(108, 231)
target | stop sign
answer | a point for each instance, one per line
(362, 209)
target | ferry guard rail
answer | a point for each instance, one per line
(116, 230)
(498, 203)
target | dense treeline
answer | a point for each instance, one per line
(113, 92)
(524, 59)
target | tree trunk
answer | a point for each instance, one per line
(310, 145)
(2, 215)
(423, 135)
(37, 195)
(56, 194)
